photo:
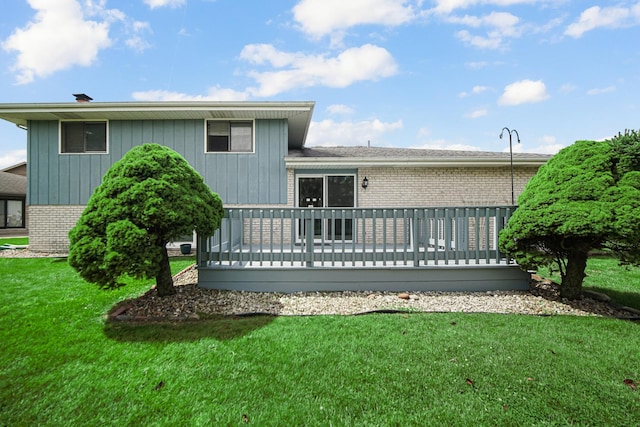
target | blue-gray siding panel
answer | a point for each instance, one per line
(463, 278)
(251, 178)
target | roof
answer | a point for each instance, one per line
(344, 157)
(298, 114)
(12, 184)
(18, 169)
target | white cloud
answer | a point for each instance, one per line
(441, 144)
(164, 3)
(448, 6)
(318, 18)
(600, 91)
(213, 94)
(424, 135)
(524, 92)
(476, 90)
(339, 109)
(59, 37)
(349, 133)
(135, 40)
(293, 70)
(501, 25)
(480, 112)
(607, 17)
(367, 62)
(13, 157)
(547, 145)
(567, 88)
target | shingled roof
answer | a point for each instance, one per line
(12, 184)
(387, 156)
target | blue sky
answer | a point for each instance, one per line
(446, 74)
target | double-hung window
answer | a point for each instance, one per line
(224, 136)
(83, 137)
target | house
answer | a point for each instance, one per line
(13, 191)
(291, 208)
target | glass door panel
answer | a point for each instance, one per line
(340, 194)
(332, 191)
(310, 195)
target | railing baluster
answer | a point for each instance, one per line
(436, 235)
(497, 228)
(271, 237)
(395, 236)
(384, 237)
(416, 244)
(354, 237)
(477, 234)
(294, 235)
(487, 227)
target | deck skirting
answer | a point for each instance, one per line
(444, 278)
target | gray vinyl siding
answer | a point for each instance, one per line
(247, 178)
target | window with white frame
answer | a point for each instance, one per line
(228, 136)
(83, 137)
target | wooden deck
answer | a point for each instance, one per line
(324, 249)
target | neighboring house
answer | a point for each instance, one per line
(13, 191)
(253, 155)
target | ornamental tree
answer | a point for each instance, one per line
(577, 202)
(147, 199)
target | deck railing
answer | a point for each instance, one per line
(342, 237)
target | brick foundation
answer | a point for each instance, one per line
(49, 226)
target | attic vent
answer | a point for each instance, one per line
(81, 97)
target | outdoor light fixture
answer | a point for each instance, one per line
(511, 132)
(365, 183)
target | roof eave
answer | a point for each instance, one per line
(297, 113)
(345, 162)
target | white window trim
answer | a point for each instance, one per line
(253, 136)
(106, 122)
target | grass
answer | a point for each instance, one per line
(62, 364)
(605, 275)
(14, 241)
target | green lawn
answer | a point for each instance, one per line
(62, 365)
(605, 275)
(14, 240)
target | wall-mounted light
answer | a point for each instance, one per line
(365, 183)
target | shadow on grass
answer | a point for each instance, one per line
(630, 299)
(549, 289)
(217, 327)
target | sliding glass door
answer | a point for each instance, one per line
(328, 191)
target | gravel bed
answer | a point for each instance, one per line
(191, 302)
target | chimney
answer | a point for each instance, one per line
(81, 97)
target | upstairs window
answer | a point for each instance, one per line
(83, 137)
(229, 136)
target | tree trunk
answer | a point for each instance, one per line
(164, 280)
(571, 286)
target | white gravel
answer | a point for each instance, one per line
(191, 302)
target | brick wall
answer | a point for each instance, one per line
(431, 187)
(49, 226)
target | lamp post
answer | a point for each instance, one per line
(511, 132)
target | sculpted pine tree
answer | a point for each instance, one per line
(576, 203)
(148, 198)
